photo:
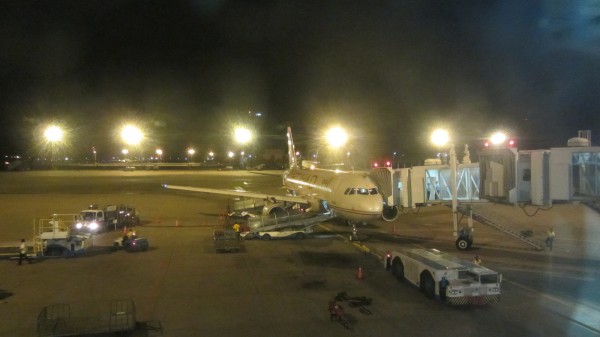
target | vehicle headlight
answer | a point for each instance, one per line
(93, 226)
(455, 292)
(78, 225)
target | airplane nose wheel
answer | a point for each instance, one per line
(354, 234)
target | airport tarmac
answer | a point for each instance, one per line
(282, 287)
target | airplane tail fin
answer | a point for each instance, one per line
(291, 148)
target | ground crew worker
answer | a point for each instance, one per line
(443, 286)
(550, 238)
(128, 237)
(477, 260)
(130, 233)
(236, 228)
(23, 252)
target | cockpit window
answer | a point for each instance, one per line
(361, 191)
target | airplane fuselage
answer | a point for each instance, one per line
(351, 195)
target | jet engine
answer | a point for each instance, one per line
(390, 213)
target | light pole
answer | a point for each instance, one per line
(53, 134)
(243, 136)
(191, 153)
(132, 135)
(94, 151)
(230, 155)
(393, 159)
(159, 153)
(441, 138)
(336, 138)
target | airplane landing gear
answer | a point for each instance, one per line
(354, 233)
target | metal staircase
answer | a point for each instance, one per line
(297, 221)
(487, 216)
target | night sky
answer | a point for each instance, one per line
(389, 71)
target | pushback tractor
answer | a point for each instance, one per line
(443, 276)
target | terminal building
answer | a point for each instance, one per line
(505, 175)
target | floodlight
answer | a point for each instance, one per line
(53, 134)
(336, 137)
(131, 135)
(440, 137)
(498, 138)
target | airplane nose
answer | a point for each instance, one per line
(377, 205)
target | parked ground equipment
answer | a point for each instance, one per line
(336, 313)
(226, 239)
(55, 237)
(441, 275)
(73, 320)
(95, 219)
(131, 242)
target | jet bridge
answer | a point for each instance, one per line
(420, 185)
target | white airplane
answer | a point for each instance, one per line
(351, 196)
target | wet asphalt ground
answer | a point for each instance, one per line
(276, 288)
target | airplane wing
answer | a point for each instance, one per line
(240, 193)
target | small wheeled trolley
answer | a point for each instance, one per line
(336, 313)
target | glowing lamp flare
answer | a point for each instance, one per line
(336, 137)
(498, 138)
(132, 135)
(53, 133)
(242, 135)
(440, 137)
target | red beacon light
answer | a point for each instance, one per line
(375, 164)
(388, 164)
(511, 143)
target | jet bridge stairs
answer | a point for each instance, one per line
(487, 216)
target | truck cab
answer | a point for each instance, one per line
(91, 220)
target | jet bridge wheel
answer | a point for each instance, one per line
(463, 244)
(266, 237)
(427, 284)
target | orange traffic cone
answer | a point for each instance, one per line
(359, 273)
(124, 229)
(177, 223)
